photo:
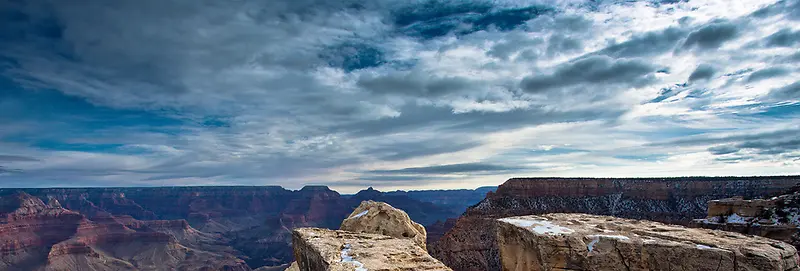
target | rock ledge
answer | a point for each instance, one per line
(590, 242)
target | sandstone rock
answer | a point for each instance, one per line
(590, 242)
(471, 244)
(329, 250)
(776, 218)
(382, 218)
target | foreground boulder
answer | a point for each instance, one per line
(321, 249)
(590, 242)
(382, 218)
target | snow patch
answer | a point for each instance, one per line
(538, 226)
(590, 246)
(359, 214)
(617, 237)
(736, 219)
(596, 238)
(346, 258)
(704, 247)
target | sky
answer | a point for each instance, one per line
(418, 94)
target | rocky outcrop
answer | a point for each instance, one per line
(471, 243)
(39, 236)
(776, 218)
(321, 250)
(251, 222)
(382, 218)
(589, 242)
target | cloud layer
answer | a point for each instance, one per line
(394, 94)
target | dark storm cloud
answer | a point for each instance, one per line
(413, 83)
(648, 44)
(448, 169)
(788, 92)
(711, 36)
(702, 72)
(767, 73)
(592, 70)
(783, 38)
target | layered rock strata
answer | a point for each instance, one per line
(334, 250)
(382, 218)
(471, 243)
(589, 242)
(39, 236)
(776, 218)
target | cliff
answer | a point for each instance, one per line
(330, 250)
(776, 218)
(39, 236)
(472, 245)
(376, 236)
(589, 242)
(253, 223)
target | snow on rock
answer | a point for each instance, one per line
(735, 218)
(359, 214)
(346, 258)
(581, 242)
(540, 226)
(318, 249)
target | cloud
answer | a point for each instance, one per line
(767, 73)
(294, 92)
(17, 158)
(783, 38)
(788, 92)
(413, 83)
(711, 36)
(704, 71)
(591, 70)
(647, 44)
(449, 169)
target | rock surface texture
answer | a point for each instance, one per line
(471, 244)
(382, 218)
(590, 242)
(335, 250)
(776, 218)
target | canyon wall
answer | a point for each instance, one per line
(253, 223)
(472, 245)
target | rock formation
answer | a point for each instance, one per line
(39, 236)
(776, 218)
(471, 243)
(590, 242)
(334, 250)
(382, 218)
(252, 223)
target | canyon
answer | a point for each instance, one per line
(226, 228)
(245, 228)
(471, 244)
